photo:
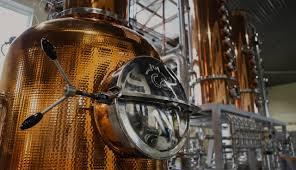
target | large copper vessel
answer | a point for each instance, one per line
(90, 47)
(246, 69)
(214, 70)
(213, 55)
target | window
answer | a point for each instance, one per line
(14, 19)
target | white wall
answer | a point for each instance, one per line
(282, 103)
(38, 7)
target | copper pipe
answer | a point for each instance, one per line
(246, 69)
(209, 45)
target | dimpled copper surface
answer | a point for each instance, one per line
(66, 138)
(3, 111)
(208, 51)
(241, 34)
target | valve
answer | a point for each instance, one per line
(234, 91)
(70, 90)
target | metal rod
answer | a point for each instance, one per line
(182, 28)
(173, 50)
(163, 28)
(183, 41)
(86, 94)
(189, 39)
(62, 72)
(152, 3)
(173, 2)
(217, 130)
(129, 11)
(54, 104)
(148, 9)
(149, 19)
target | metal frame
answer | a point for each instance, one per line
(218, 113)
(181, 48)
(142, 28)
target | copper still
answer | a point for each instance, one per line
(246, 63)
(91, 42)
(213, 71)
(213, 53)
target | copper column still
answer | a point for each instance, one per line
(213, 53)
(246, 63)
(91, 42)
(213, 67)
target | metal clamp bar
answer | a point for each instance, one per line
(249, 91)
(216, 77)
(231, 109)
(147, 98)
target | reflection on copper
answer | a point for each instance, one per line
(208, 49)
(245, 64)
(67, 137)
(3, 112)
(106, 130)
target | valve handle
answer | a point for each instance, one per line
(31, 121)
(49, 49)
(70, 90)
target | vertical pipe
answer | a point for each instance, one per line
(128, 12)
(163, 28)
(189, 37)
(183, 45)
(182, 27)
(217, 129)
(262, 88)
(212, 52)
(246, 67)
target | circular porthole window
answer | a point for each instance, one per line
(148, 116)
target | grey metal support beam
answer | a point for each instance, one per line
(217, 131)
(163, 28)
(250, 115)
(252, 159)
(183, 42)
(149, 19)
(148, 9)
(151, 4)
